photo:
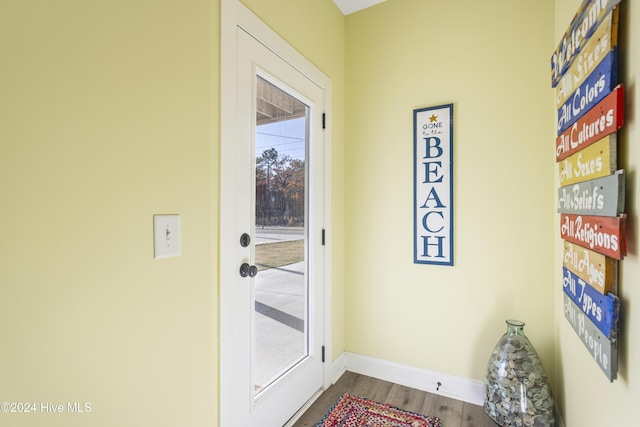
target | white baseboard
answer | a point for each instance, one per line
(338, 367)
(465, 389)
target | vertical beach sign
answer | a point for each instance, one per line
(433, 185)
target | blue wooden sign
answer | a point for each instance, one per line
(588, 17)
(597, 86)
(602, 310)
(433, 185)
(596, 48)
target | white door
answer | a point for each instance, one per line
(272, 252)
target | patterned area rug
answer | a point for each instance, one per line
(352, 411)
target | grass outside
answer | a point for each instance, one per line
(271, 255)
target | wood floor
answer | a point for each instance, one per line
(452, 413)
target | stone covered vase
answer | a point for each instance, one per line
(516, 390)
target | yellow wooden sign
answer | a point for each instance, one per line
(589, 16)
(595, 161)
(597, 270)
(601, 42)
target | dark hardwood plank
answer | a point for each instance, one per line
(406, 398)
(474, 416)
(447, 409)
(327, 399)
(372, 389)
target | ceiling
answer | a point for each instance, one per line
(350, 6)
(272, 103)
(275, 105)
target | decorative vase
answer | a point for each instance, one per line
(516, 389)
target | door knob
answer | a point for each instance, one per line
(248, 270)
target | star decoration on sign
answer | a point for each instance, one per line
(433, 118)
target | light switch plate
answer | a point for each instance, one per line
(166, 236)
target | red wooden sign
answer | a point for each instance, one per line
(602, 120)
(605, 235)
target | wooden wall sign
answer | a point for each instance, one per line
(595, 161)
(433, 185)
(602, 310)
(605, 235)
(603, 40)
(596, 269)
(591, 196)
(601, 196)
(597, 85)
(588, 17)
(602, 120)
(602, 350)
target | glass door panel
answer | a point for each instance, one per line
(280, 321)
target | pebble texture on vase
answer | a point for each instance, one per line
(516, 390)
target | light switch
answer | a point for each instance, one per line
(166, 236)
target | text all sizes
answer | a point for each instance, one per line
(433, 209)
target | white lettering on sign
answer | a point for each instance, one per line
(589, 306)
(581, 199)
(578, 320)
(590, 14)
(589, 234)
(579, 259)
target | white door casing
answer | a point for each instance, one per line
(250, 48)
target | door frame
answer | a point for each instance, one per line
(233, 15)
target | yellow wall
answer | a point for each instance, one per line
(108, 116)
(490, 59)
(584, 395)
